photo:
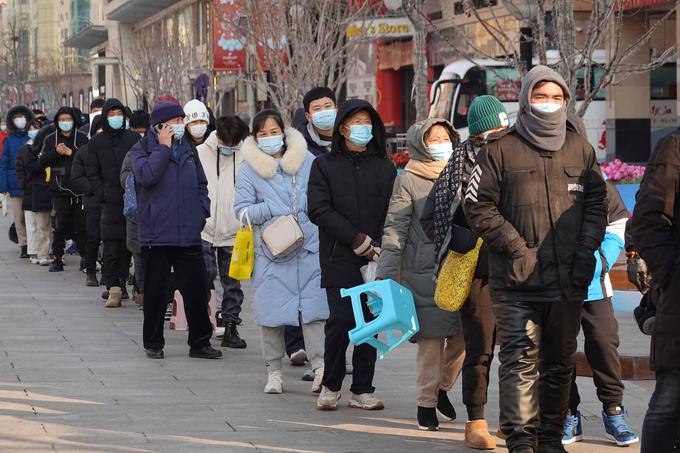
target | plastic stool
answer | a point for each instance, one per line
(178, 321)
(393, 308)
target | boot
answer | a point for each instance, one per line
(477, 435)
(24, 251)
(91, 280)
(115, 293)
(139, 298)
(231, 338)
(124, 293)
(57, 265)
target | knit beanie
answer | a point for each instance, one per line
(164, 111)
(195, 110)
(486, 113)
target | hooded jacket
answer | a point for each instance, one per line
(349, 194)
(33, 176)
(407, 254)
(10, 147)
(60, 166)
(220, 171)
(313, 144)
(105, 155)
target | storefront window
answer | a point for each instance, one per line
(664, 83)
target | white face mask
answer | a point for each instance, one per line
(546, 107)
(198, 130)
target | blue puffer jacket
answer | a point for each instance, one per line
(14, 141)
(172, 193)
(288, 286)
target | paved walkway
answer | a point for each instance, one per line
(74, 378)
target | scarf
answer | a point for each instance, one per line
(316, 138)
(428, 170)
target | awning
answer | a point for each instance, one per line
(132, 11)
(88, 38)
(634, 4)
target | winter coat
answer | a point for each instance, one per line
(105, 156)
(288, 286)
(542, 214)
(655, 230)
(61, 166)
(131, 226)
(10, 147)
(83, 184)
(313, 147)
(220, 171)
(349, 194)
(24, 177)
(407, 254)
(172, 193)
(41, 196)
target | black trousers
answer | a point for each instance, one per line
(116, 263)
(189, 272)
(340, 322)
(661, 428)
(538, 343)
(294, 339)
(92, 221)
(69, 221)
(479, 330)
(601, 333)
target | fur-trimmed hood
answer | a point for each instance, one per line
(265, 165)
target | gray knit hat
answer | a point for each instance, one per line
(486, 113)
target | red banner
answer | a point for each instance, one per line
(229, 43)
(634, 4)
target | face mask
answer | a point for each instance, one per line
(325, 119)
(20, 122)
(178, 130)
(227, 150)
(3, 127)
(32, 134)
(116, 122)
(546, 107)
(198, 130)
(360, 134)
(271, 145)
(66, 126)
(440, 151)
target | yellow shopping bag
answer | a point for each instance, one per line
(243, 255)
(455, 278)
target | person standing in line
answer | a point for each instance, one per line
(18, 119)
(57, 153)
(272, 183)
(196, 120)
(536, 197)
(221, 158)
(407, 255)
(172, 207)
(95, 110)
(349, 192)
(24, 181)
(139, 122)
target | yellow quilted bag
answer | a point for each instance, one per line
(243, 255)
(455, 278)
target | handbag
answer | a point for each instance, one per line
(455, 278)
(284, 235)
(243, 254)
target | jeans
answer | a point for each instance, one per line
(217, 260)
(661, 429)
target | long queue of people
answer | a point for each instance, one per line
(550, 228)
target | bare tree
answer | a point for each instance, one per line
(14, 62)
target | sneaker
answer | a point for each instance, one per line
(444, 406)
(318, 377)
(274, 382)
(57, 266)
(427, 419)
(45, 261)
(70, 248)
(328, 399)
(616, 427)
(33, 259)
(366, 401)
(573, 431)
(168, 312)
(308, 375)
(298, 358)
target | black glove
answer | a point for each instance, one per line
(583, 267)
(462, 239)
(637, 271)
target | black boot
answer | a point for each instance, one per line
(444, 406)
(427, 419)
(231, 338)
(91, 280)
(57, 265)
(125, 295)
(24, 251)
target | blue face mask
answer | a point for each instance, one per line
(66, 126)
(441, 151)
(325, 119)
(227, 150)
(116, 122)
(270, 145)
(546, 107)
(360, 134)
(178, 130)
(32, 134)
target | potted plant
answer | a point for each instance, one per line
(626, 177)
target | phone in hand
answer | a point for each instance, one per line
(159, 127)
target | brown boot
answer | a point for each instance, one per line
(115, 294)
(477, 435)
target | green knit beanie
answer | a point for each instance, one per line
(485, 113)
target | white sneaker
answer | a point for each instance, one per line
(274, 382)
(34, 259)
(45, 261)
(298, 358)
(366, 401)
(318, 377)
(328, 400)
(219, 332)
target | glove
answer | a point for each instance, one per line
(637, 271)
(583, 267)
(366, 247)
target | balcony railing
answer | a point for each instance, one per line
(131, 11)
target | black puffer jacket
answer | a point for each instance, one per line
(349, 194)
(542, 214)
(105, 156)
(24, 177)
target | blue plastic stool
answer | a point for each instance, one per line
(393, 308)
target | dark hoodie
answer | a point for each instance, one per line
(348, 194)
(60, 173)
(104, 161)
(31, 176)
(14, 141)
(91, 201)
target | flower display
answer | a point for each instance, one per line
(623, 173)
(400, 159)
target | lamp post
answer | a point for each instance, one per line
(526, 12)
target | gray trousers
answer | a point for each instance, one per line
(274, 345)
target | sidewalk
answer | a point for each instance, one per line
(74, 378)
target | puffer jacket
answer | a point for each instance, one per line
(407, 253)
(131, 226)
(220, 171)
(10, 148)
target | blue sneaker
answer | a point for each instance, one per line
(573, 432)
(617, 429)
